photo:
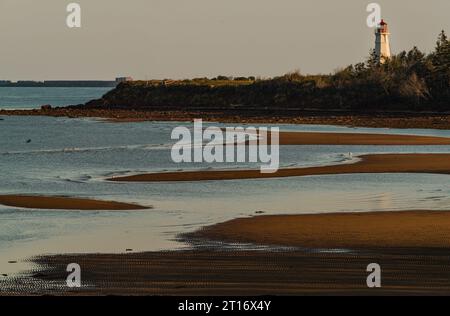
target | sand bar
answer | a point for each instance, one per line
(65, 203)
(309, 138)
(350, 139)
(412, 229)
(383, 163)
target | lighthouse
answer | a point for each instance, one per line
(382, 46)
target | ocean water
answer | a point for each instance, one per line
(32, 98)
(73, 157)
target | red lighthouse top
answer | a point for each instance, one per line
(383, 28)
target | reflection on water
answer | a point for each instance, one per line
(72, 157)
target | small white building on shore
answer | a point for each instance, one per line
(123, 79)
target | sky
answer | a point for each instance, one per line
(157, 39)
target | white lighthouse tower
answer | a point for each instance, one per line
(382, 46)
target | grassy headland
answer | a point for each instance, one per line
(410, 81)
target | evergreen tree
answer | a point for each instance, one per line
(440, 60)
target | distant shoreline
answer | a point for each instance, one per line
(61, 84)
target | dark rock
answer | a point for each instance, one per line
(28, 141)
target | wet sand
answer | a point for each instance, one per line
(412, 271)
(362, 139)
(411, 247)
(309, 138)
(413, 229)
(383, 163)
(65, 203)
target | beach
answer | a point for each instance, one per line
(192, 273)
(411, 248)
(203, 239)
(412, 229)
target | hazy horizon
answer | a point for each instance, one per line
(156, 39)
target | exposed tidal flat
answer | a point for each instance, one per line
(309, 255)
(64, 203)
(351, 231)
(74, 157)
(371, 164)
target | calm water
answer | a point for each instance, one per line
(30, 98)
(73, 157)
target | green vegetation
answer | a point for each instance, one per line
(409, 81)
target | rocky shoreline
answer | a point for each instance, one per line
(381, 120)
